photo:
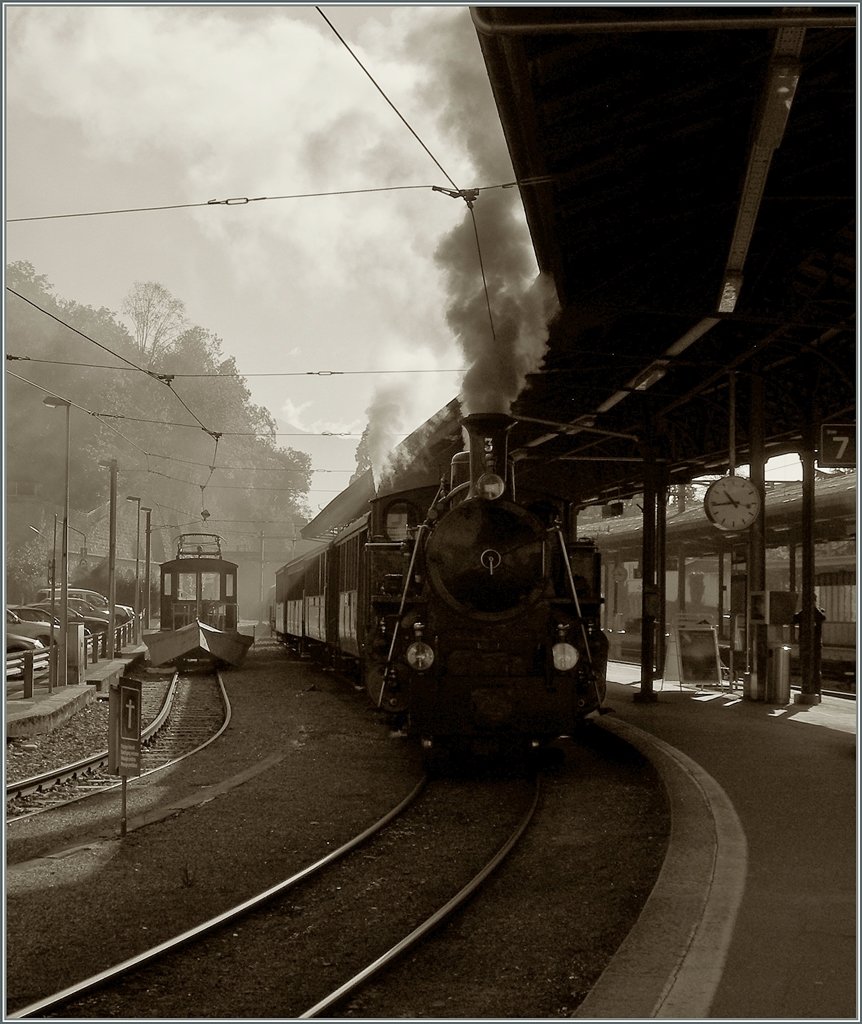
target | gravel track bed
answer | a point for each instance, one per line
(85, 733)
(530, 944)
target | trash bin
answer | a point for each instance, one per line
(778, 674)
(75, 654)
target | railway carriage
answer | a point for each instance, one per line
(469, 614)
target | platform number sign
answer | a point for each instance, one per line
(837, 446)
(124, 753)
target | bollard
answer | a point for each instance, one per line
(28, 675)
(778, 674)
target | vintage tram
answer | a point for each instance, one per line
(198, 605)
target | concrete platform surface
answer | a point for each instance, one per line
(47, 710)
(789, 774)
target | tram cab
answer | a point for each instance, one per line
(198, 584)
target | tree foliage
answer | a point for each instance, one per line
(182, 443)
(159, 318)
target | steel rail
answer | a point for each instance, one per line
(26, 787)
(431, 923)
(67, 995)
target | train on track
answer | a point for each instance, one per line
(198, 606)
(469, 611)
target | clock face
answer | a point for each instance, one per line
(732, 503)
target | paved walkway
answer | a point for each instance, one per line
(790, 776)
(46, 709)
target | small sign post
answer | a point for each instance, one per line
(837, 446)
(698, 656)
(124, 734)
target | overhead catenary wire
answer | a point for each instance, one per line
(468, 195)
(245, 200)
(128, 440)
(215, 376)
(162, 378)
(168, 379)
(398, 113)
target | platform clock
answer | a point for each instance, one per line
(732, 503)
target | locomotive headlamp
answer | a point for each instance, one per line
(420, 656)
(490, 486)
(565, 657)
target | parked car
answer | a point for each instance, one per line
(22, 643)
(96, 600)
(16, 626)
(92, 623)
(86, 609)
(17, 645)
(32, 613)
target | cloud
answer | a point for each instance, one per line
(226, 104)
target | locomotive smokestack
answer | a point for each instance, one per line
(489, 462)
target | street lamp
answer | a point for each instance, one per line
(84, 548)
(132, 497)
(112, 557)
(53, 402)
(147, 568)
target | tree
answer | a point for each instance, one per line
(191, 440)
(159, 318)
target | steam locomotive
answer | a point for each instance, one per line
(469, 614)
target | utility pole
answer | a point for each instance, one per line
(112, 559)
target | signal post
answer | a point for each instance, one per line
(124, 734)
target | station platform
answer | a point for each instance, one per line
(46, 710)
(782, 782)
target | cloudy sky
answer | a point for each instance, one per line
(111, 108)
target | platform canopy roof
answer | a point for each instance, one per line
(689, 180)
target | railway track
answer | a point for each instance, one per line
(184, 712)
(84, 1000)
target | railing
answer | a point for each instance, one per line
(96, 645)
(28, 665)
(31, 665)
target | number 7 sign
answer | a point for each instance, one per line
(837, 446)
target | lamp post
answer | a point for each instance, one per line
(84, 548)
(132, 497)
(112, 558)
(53, 402)
(147, 568)
(52, 583)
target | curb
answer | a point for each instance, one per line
(33, 718)
(671, 962)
